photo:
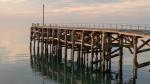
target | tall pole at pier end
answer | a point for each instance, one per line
(43, 14)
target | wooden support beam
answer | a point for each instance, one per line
(65, 46)
(112, 56)
(52, 52)
(34, 41)
(143, 64)
(42, 41)
(92, 51)
(31, 35)
(144, 43)
(72, 50)
(100, 64)
(120, 58)
(114, 39)
(117, 45)
(109, 52)
(127, 38)
(115, 51)
(58, 43)
(47, 39)
(81, 48)
(144, 50)
(103, 51)
(38, 42)
(130, 50)
(134, 69)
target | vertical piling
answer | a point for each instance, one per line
(42, 41)
(135, 39)
(103, 51)
(81, 49)
(92, 51)
(52, 46)
(120, 57)
(31, 36)
(38, 41)
(65, 46)
(72, 49)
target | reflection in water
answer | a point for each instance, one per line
(70, 73)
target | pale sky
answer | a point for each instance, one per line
(21, 13)
(16, 17)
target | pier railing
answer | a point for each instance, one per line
(143, 27)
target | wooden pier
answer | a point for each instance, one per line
(92, 45)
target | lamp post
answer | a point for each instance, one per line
(43, 13)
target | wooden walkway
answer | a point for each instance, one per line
(95, 45)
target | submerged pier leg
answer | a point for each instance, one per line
(65, 46)
(58, 43)
(46, 44)
(38, 42)
(100, 53)
(135, 63)
(42, 41)
(59, 48)
(34, 41)
(31, 36)
(92, 51)
(120, 58)
(109, 41)
(78, 55)
(103, 51)
(72, 49)
(52, 45)
(81, 49)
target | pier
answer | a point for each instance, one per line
(91, 46)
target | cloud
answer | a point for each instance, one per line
(11, 1)
(121, 10)
(99, 8)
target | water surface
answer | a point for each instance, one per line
(16, 66)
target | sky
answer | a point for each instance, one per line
(16, 17)
(22, 13)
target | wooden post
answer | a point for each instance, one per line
(42, 41)
(92, 51)
(31, 36)
(103, 51)
(38, 42)
(87, 59)
(72, 55)
(81, 49)
(78, 55)
(52, 52)
(50, 43)
(58, 42)
(120, 57)
(34, 41)
(72, 50)
(109, 51)
(135, 41)
(47, 40)
(84, 56)
(100, 64)
(65, 46)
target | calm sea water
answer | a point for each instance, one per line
(16, 66)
